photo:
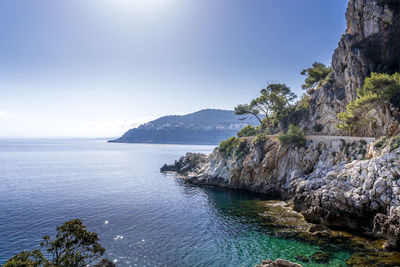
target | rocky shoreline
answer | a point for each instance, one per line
(351, 186)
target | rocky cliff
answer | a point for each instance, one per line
(371, 43)
(338, 182)
(345, 184)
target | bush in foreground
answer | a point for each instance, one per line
(73, 246)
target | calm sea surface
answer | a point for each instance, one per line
(143, 217)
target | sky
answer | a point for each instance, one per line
(95, 68)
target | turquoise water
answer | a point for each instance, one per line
(143, 217)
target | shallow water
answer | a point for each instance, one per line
(143, 217)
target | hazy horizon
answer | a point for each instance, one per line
(98, 68)
(136, 125)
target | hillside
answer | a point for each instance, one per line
(208, 126)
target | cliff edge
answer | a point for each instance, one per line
(370, 44)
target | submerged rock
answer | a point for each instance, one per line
(389, 228)
(320, 257)
(302, 258)
(278, 263)
(374, 259)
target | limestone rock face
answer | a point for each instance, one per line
(326, 103)
(186, 164)
(371, 44)
(388, 227)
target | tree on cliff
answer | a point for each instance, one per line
(73, 246)
(273, 104)
(315, 75)
(376, 93)
(246, 109)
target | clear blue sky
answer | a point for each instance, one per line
(98, 67)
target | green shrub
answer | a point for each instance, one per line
(304, 103)
(241, 148)
(260, 139)
(376, 93)
(380, 142)
(227, 146)
(328, 79)
(295, 136)
(395, 143)
(33, 258)
(233, 146)
(248, 131)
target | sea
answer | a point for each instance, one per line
(143, 217)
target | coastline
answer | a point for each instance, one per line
(323, 171)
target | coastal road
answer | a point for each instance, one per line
(318, 138)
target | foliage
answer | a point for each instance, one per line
(241, 148)
(376, 92)
(227, 147)
(316, 75)
(233, 146)
(304, 103)
(260, 139)
(33, 258)
(328, 79)
(395, 143)
(248, 131)
(392, 143)
(73, 246)
(246, 109)
(273, 104)
(295, 136)
(380, 142)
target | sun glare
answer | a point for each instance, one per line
(137, 5)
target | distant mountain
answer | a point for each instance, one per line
(208, 126)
